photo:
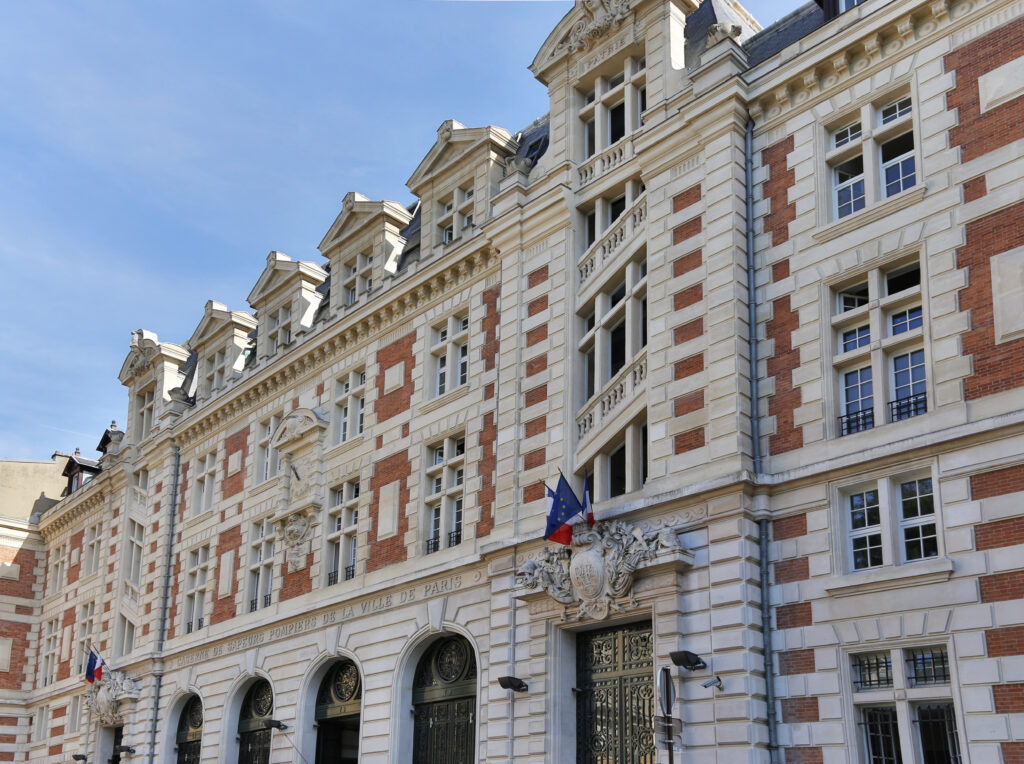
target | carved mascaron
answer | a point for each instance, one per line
(595, 576)
(106, 695)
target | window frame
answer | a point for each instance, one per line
(197, 578)
(260, 564)
(342, 532)
(445, 474)
(448, 353)
(268, 461)
(349, 406)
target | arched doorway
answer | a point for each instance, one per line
(444, 703)
(189, 738)
(253, 730)
(338, 704)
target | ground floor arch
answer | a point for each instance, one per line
(338, 709)
(444, 703)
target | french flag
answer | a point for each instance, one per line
(565, 510)
(94, 668)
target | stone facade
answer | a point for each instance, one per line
(356, 467)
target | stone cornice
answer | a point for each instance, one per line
(82, 502)
(878, 44)
(449, 273)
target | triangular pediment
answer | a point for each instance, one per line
(356, 212)
(453, 141)
(281, 270)
(581, 29)
(215, 317)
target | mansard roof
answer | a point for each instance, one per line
(358, 211)
(444, 152)
(215, 316)
(280, 270)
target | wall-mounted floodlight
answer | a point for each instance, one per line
(123, 749)
(275, 724)
(79, 757)
(512, 683)
(715, 681)
(687, 660)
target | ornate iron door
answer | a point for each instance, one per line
(190, 732)
(444, 700)
(615, 702)
(254, 747)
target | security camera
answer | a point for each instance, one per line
(512, 683)
(714, 681)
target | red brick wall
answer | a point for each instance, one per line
(536, 306)
(796, 662)
(975, 188)
(487, 469)
(64, 667)
(789, 527)
(687, 230)
(533, 459)
(26, 559)
(688, 331)
(236, 442)
(688, 366)
(392, 549)
(687, 404)
(1013, 753)
(1008, 640)
(537, 334)
(535, 395)
(996, 367)
(536, 365)
(687, 263)
(533, 427)
(799, 710)
(18, 634)
(781, 365)
(183, 490)
(977, 133)
(780, 270)
(803, 755)
(539, 276)
(396, 401)
(776, 190)
(689, 440)
(1009, 698)
(999, 533)
(172, 613)
(297, 583)
(686, 199)
(687, 297)
(792, 570)
(792, 616)
(533, 492)
(224, 608)
(997, 482)
(1002, 586)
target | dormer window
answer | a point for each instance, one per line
(144, 412)
(279, 329)
(611, 108)
(447, 234)
(215, 370)
(359, 279)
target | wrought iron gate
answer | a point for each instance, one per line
(190, 732)
(338, 705)
(444, 699)
(253, 732)
(615, 702)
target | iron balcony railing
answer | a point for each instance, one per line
(857, 421)
(904, 408)
(332, 578)
(455, 538)
(350, 572)
(433, 544)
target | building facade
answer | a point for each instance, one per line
(762, 289)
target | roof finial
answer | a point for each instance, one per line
(113, 425)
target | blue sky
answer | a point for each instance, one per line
(151, 154)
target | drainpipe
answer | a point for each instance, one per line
(755, 433)
(165, 596)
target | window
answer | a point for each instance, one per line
(144, 413)
(93, 549)
(903, 706)
(261, 564)
(215, 367)
(349, 399)
(58, 568)
(196, 576)
(610, 107)
(881, 378)
(445, 475)
(50, 646)
(867, 170)
(279, 329)
(124, 636)
(86, 627)
(269, 460)
(132, 559)
(74, 714)
(600, 218)
(358, 278)
(449, 353)
(342, 532)
(614, 331)
(890, 521)
(205, 480)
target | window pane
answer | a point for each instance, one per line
(617, 355)
(881, 735)
(617, 472)
(846, 135)
(896, 110)
(937, 730)
(906, 320)
(856, 338)
(916, 497)
(616, 122)
(872, 671)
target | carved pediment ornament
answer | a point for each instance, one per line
(598, 17)
(594, 576)
(106, 695)
(296, 427)
(296, 530)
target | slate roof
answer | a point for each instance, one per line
(784, 32)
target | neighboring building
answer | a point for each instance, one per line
(327, 514)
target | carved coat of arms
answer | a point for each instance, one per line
(106, 695)
(594, 576)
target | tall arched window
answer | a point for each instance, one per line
(338, 704)
(253, 730)
(444, 703)
(190, 731)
